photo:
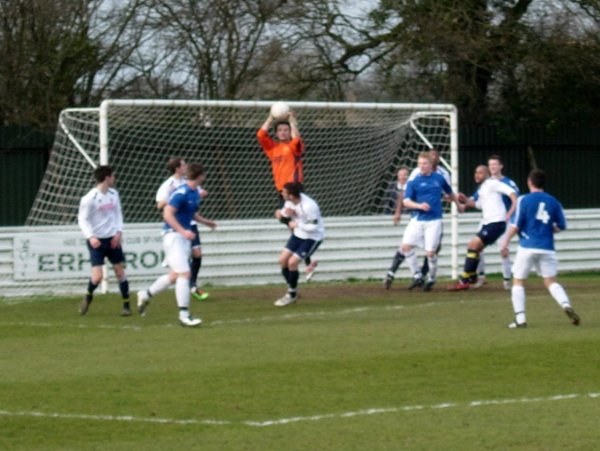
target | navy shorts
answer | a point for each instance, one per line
(302, 248)
(196, 240)
(98, 255)
(489, 233)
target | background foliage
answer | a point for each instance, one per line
(519, 62)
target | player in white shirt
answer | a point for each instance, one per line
(394, 194)
(539, 216)
(178, 167)
(308, 232)
(101, 221)
(493, 225)
(495, 166)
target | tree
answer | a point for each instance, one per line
(219, 49)
(498, 61)
(61, 53)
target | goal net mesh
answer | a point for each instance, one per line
(352, 153)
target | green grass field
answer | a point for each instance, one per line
(350, 367)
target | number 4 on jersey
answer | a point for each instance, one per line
(542, 214)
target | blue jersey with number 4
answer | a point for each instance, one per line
(537, 215)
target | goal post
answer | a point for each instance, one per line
(352, 152)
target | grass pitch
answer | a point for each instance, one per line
(349, 367)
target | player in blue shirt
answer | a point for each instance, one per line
(177, 237)
(539, 216)
(424, 197)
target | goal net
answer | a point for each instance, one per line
(352, 153)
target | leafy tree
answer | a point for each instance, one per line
(60, 53)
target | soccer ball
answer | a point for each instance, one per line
(280, 110)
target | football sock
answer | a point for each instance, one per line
(124, 289)
(518, 302)
(432, 266)
(90, 290)
(471, 262)
(425, 267)
(506, 268)
(411, 260)
(286, 274)
(559, 294)
(396, 262)
(293, 278)
(182, 292)
(481, 265)
(160, 284)
(195, 265)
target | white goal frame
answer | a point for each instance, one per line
(422, 110)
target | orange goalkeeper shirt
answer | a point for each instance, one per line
(286, 158)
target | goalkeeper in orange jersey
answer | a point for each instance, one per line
(285, 154)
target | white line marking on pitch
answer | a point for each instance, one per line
(74, 326)
(297, 419)
(286, 316)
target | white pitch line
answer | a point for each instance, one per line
(266, 318)
(74, 326)
(297, 419)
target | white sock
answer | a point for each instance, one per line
(506, 268)
(160, 284)
(432, 266)
(411, 261)
(518, 302)
(182, 292)
(481, 264)
(559, 294)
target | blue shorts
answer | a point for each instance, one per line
(98, 255)
(302, 248)
(196, 241)
(489, 233)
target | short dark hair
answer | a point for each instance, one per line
(293, 188)
(537, 178)
(101, 172)
(173, 164)
(283, 122)
(496, 157)
(194, 170)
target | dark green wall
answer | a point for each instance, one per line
(570, 157)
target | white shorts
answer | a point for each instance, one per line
(424, 234)
(544, 262)
(177, 252)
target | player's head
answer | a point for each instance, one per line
(425, 164)
(101, 173)
(291, 191)
(435, 156)
(495, 165)
(177, 165)
(283, 131)
(537, 179)
(481, 173)
(402, 175)
(195, 172)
